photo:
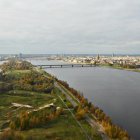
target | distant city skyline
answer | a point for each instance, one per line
(70, 27)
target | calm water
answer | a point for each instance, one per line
(117, 92)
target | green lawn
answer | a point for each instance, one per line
(64, 127)
(34, 99)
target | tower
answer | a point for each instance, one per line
(98, 57)
(20, 56)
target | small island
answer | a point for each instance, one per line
(34, 105)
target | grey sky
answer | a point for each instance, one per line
(70, 26)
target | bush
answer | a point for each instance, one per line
(80, 114)
(10, 135)
(5, 87)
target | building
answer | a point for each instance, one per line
(20, 56)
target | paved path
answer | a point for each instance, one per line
(67, 95)
(91, 121)
(99, 127)
(79, 124)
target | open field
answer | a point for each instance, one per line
(35, 105)
(63, 127)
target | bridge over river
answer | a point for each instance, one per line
(65, 65)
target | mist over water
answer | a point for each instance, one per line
(117, 92)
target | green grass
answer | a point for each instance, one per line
(17, 73)
(31, 98)
(35, 100)
(93, 132)
(61, 128)
(69, 93)
(43, 72)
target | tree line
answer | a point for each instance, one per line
(26, 120)
(16, 65)
(112, 130)
(30, 81)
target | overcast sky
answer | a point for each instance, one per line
(70, 26)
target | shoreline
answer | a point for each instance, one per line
(102, 128)
(83, 110)
(113, 67)
(120, 68)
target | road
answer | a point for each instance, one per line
(67, 95)
(91, 121)
(79, 124)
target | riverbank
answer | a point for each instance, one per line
(102, 121)
(91, 120)
(88, 123)
(118, 67)
(107, 65)
(111, 89)
(94, 120)
(31, 98)
(90, 116)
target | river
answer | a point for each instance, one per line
(117, 92)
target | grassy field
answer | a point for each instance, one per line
(91, 132)
(62, 127)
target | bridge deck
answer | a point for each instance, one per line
(66, 65)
